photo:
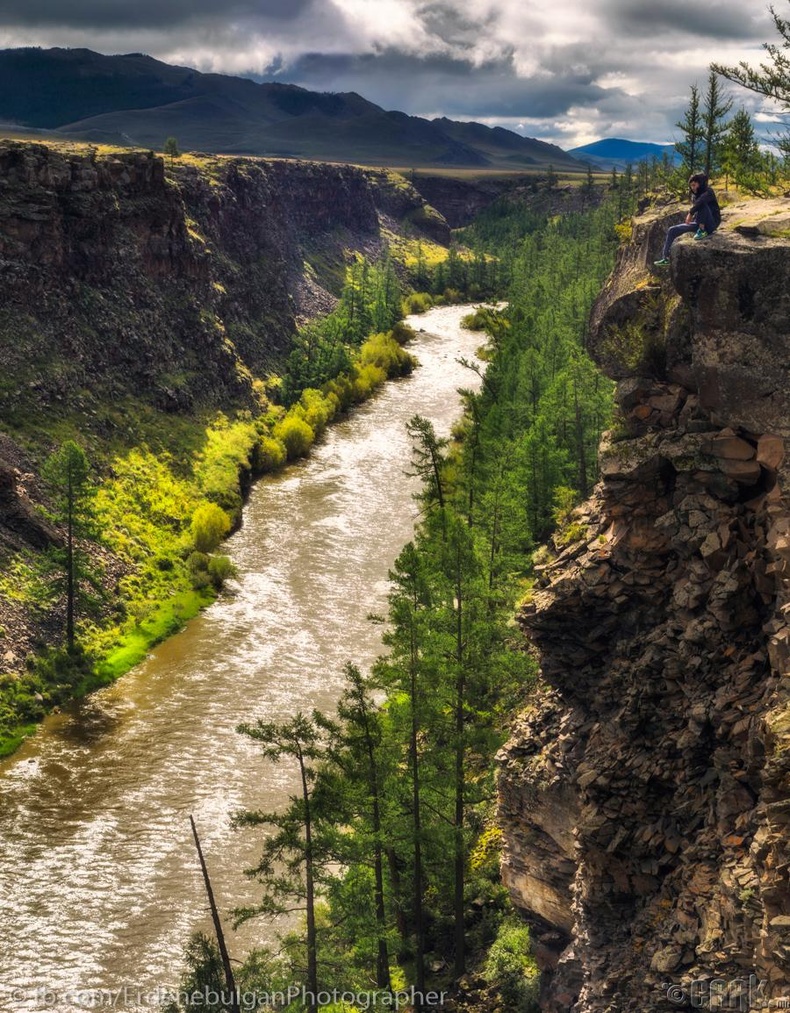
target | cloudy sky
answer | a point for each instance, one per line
(569, 72)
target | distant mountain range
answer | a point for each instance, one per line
(617, 153)
(136, 100)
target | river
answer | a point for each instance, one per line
(99, 882)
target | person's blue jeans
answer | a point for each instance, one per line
(704, 221)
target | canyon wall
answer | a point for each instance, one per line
(128, 283)
(176, 284)
(645, 793)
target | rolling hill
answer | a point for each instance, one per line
(139, 101)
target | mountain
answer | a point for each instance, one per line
(617, 153)
(136, 100)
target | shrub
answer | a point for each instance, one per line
(296, 435)
(402, 332)
(383, 350)
(367, 379)
(511, 969)
(210, 524)
(270, 454)
(220, 569)
(417, 302)
(197, 561)
(317, 408)
(341, 388)
(200, 580)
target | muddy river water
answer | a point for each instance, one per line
(99, 881)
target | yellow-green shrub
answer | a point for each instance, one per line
(270, 454)
(341, 388)
(317, 409)
(296, 435)
(383, 350)
(220, 569)
(226, 453)
(417, 302)
(210, 524)
(367, 379)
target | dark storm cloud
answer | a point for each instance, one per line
(426, 85)
(707, 19)
(446, 22)
(99, 15)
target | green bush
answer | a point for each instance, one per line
(417, 302)
(383, 350)
(403, 333)
(295, 434)
(318, 409)
(225, 455)
(342, 389)
(510, 967)
(367, 379)
(210, 524)
(270, 454)
(197, 561)
(220, 569)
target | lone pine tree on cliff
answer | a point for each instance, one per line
(172, 149)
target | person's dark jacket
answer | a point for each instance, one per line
(706, 196)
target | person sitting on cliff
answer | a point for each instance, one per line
(704, 215)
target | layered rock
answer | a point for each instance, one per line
(645, 797)
(121, 276)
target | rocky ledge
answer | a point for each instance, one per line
(645, 796)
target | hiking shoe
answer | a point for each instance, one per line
(700, 234)
(661, 263)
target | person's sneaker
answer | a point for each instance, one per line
(661, 263)
(700, 234)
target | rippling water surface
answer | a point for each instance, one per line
(99, 883)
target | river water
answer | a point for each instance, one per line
(99, 881)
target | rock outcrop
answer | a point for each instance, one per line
(645, 796)
(120, 276)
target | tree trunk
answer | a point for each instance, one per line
(312, 951)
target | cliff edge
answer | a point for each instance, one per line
(645, 795)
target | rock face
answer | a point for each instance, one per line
(176, 285)
(645, 796)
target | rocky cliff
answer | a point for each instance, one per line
(645, 795)
(128, 281)
(174, 283)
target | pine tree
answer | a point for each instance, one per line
(714, 127)
(408, 673)
(67, 471)
(171, 149)
(772, 78)
(692, 128)
(427, 459)
(355, 780)
(295, 856)
(741, 153)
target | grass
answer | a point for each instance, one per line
(12, 740)
(168, 619)
(211, 162)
